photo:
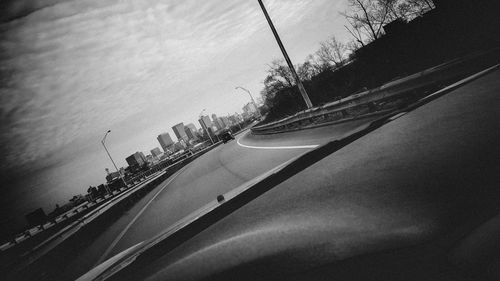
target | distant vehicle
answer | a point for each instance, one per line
(226, 136)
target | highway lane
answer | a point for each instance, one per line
(221, 170)
(430, 173)
(216, 172)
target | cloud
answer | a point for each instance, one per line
(70, 70)
(14, 9)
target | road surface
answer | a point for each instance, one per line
(432, 174)
(217, 172)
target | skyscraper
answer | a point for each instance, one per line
(216, 122)
(205, 122)
(191, 134)
(165, 141)
(192, 127)
(179, 131)
(206, 125)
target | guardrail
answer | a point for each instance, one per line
(374, 102)
(131, 263)
(88, 206)
(99, 214)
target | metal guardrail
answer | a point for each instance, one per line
(84, 207)
(137, 257)
(73, 228)
(338, 111)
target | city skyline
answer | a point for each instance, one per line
(87, 72)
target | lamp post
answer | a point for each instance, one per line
(205, 126)
(111, 158)
(288, 61)
(251, 97)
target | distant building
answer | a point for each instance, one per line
(217, 122)
(180, 145)
(179, 131)
(192, 127)
(111, 176)
(156, 152)
(214, 120)
(250, 109)
(36, 217)
(225, 121)
(136, 160)
(205, 122)
(152, 160)
(191, 131)
(235, 118)
(191, 135)
(165, 141)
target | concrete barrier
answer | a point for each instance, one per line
(338, 111)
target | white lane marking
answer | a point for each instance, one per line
(120, 236)
(277, 147)
(397, 116)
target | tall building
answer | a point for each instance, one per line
(165, 141)
(250, 109)
(216, 122)
(192, 127)
(225, 121)
(205, 122)
(207, 125)
(179, 131)
(191, 135)
(156, 152)
(235, 118)
(136, 159)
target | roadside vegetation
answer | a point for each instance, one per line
(389, 39)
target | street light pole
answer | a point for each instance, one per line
(111, 158)
(288, 61)
(251, 97)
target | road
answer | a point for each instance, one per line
(217, 172)
(432, 174)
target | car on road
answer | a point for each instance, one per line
(226, 136)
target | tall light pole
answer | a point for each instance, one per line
(205, 127)
(251, 97)
(288, 61)
(111, 158)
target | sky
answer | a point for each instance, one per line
(72, 69)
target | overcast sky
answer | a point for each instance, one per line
(70, 70)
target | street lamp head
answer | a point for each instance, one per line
(109, 131)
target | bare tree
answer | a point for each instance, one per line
(316, 64)
(366, 18)
(393, 8)
(279, 72)
(414, 8)
(352, 46)
(306, 71)
(331, 52)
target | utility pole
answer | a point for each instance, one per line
(288, 61)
